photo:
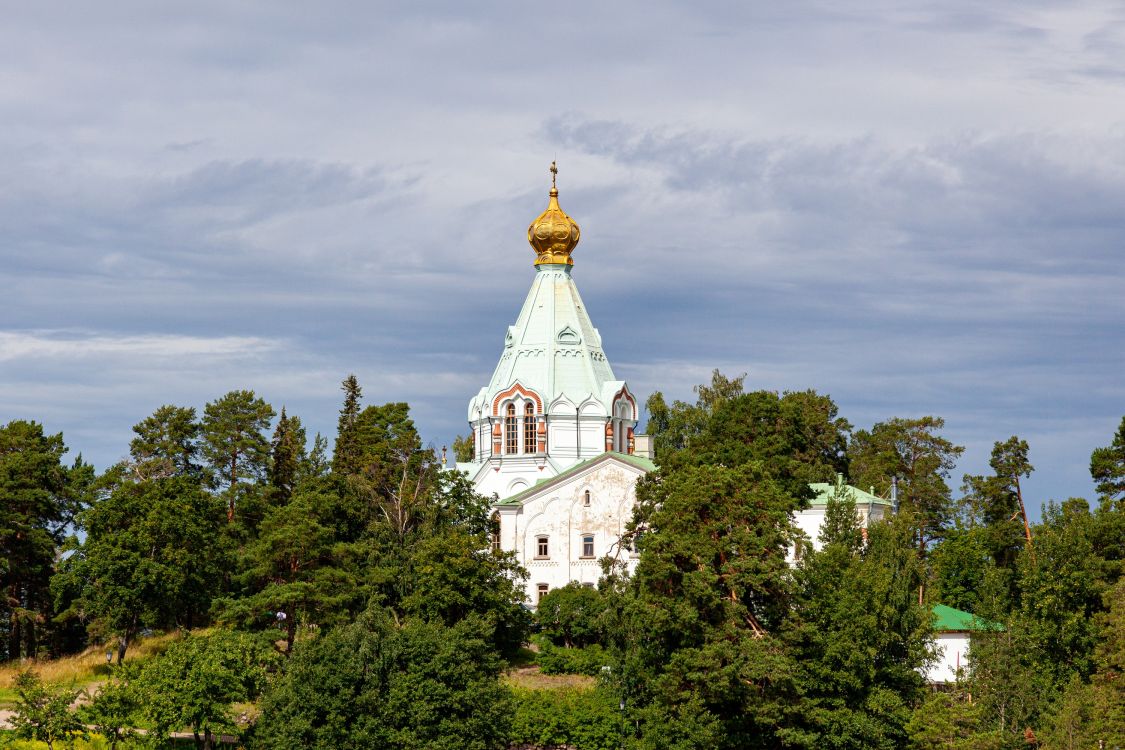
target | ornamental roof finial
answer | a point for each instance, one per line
(553, 234)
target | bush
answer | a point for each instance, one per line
(554, 659)
(571, 616)
(43, 713)
(377, 683)
(580, 719)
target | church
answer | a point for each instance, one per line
(554, 431)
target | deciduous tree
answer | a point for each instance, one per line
(44, 713)
(149, 558)
(415, 686)
(195, 681)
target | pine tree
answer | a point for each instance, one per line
(345, 457)
(234, 441)
(996, 502)
(287, 454)
(913, 452)
(1107, 466)
(167, 444)
(38, 499)
(697, 644)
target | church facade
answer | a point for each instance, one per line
(554, 431)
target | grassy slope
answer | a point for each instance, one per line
(78, 671)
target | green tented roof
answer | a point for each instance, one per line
(641, 463)
(824, 491)
(948, 619)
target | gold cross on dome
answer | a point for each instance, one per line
(554, 171)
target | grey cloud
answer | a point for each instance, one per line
(913, 207)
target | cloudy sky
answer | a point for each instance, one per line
(917, 208)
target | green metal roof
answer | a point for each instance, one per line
(641, 463)
(825, 490)
(553, 348)
(948, 619)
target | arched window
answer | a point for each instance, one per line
(620, 435)
(529, 428)
(542, 547)
(586, 499)
(511, 431)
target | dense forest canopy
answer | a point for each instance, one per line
(353, 594)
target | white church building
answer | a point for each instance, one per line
(554, 431)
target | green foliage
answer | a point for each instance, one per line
(287, 457)
(463, 448)
(588, 660)
(294, 566)
(234, 441)
(913, 452)
(799, 435)
(571, 615)
(859, 641)
(1060, 593)
(579, 719)
(167, 444)
(696, 651)
(674, 428)
(44, 713)
(993, 502)
(959, 565)
(452, 578)
(841, 521)
(1007, 681)
(38, 499)
(949, 720)
(195, 681)
(1107, 466)
(1108, 681)
(148, 560)
(114, 709)
(345, 457)
(419, 686)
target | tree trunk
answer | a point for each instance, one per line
(14, 636)
(123, 646)
(233, 484)
(290, 634)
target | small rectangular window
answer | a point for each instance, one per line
(588, 545)
(541, 591)
(542, 549)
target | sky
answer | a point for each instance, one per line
(915, 207)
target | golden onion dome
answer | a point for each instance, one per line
(553, 234)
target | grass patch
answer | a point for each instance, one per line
(525, 657)
(8, 742)
(530, 678)
(77, 670)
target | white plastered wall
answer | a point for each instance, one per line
(559, 513)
